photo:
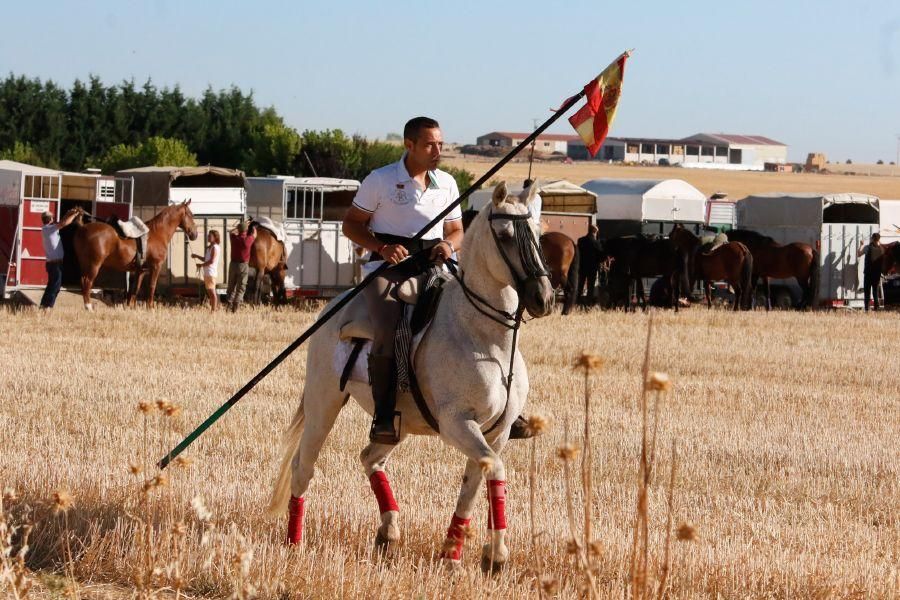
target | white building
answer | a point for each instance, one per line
(547, 143)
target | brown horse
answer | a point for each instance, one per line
(781, 261)
(269, 257)
(98, 245)
(731, 262)
(561, 254)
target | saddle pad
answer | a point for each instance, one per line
(133, 228)
(275, 227)
(360, 370)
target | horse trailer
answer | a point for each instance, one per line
(218, 201)
(833, 224)
(321, 260)
(26, 191)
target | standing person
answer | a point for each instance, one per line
(392, 204)
(210, 267)
(54, 253)
(241, 238)
(589, 251)
(872, 269)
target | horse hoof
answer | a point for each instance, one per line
(491, 567)
(385, 542)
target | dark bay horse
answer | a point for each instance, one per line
(97, 245)
(781, 261)
(634, 257)
(561, 255)
(268, 257)
(731, 262)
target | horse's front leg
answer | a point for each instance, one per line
(151, 293)
(484, 462)
(373, 459)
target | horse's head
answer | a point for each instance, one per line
(187, 220)
(516, 259)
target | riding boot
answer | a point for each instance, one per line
(521, 430)
(383, 379)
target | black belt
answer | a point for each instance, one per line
(412, 246)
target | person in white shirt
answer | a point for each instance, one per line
(54, 254)
(210, 266)
(392, 204)
(534, 206)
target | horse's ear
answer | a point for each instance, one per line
(187, 202)
(527, 196)
(500, 194)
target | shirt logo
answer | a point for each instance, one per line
(401, 197)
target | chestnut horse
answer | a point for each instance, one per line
(98, 245)
(731, 262)
(781, 261)
(269, 257)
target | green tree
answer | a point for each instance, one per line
(331, 153)
(22, 153)
(155, 151)
(275, 147)
(464, 179)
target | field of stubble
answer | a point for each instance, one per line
(787, 427)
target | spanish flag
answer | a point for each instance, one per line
(593, 120)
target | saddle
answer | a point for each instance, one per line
(132, 229)
(421, 295)
(708, 243)
(275, 227)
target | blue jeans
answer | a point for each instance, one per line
(54, 282)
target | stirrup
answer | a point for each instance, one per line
(391, 438)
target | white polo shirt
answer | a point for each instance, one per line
(399, 206)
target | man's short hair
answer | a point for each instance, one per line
(414, 127)
(876, 237)
(242, 227)
(46, 217)
(527, 183)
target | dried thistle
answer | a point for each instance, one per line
(9, 495)
(203, 514)
(537, 424)
(179, 529)
(567, 452)
(588, 362)
(659, 382)
(183, 462)
(172, 410)
(163, 405)
(572, 546)
(134, 468)
(62, 501)
(146, 407)
(595, 548)
(686, 533)
(549, 585)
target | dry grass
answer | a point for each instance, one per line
(871, 179)
(786, 426)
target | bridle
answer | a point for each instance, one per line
(534, 265)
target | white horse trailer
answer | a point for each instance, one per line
(834, 224)
(26, 191)
(322, 261)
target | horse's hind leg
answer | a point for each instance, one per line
(87, 282)
(373, 458)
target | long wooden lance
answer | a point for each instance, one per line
(353, 292)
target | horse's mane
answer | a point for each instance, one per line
(752, 236)
(155, 218)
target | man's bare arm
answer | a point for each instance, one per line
(356, 227)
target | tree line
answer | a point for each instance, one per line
(121, 126)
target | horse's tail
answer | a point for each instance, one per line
(572, 291)
(746, 299)
(290, 442)
(814, 268)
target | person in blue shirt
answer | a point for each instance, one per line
(53, 251)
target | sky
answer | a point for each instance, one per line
(820, 76)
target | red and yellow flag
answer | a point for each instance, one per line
(593, 120)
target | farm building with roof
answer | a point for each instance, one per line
(547, 142)
(712, 149)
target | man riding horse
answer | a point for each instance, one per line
(392, 204)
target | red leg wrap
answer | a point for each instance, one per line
(295, 521)
(497, 499)
(456, 537)
(383, 493)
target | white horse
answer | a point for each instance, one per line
(461, 365)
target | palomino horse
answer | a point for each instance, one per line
(97, 245)
(462, 369)
(731, 262)
(268, 257)
(561, 255)
(781, 261)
